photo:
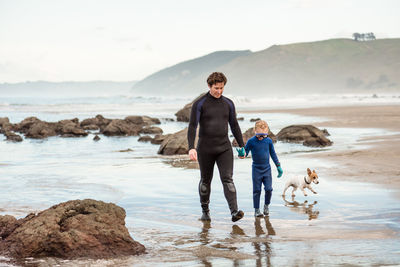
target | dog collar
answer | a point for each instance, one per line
(305, 180)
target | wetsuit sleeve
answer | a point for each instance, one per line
(273, 154)
(193, 122)
(235, 128)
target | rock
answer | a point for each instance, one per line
(159, 138)
(70, 230)
(91, 127)
(240, 119)
(7, 225)
(39, 130)
(175, 144)
(125, 150)
(306, 134)
(145, 138)
(4, 120)
(142, 120)
(70, 128)
(168, 119)
(184, 113)
(254, 120)
(249, 134)
(119, 127)
(13, 137)
(26, 124)
(99, 120)
(96, 138)
(326, 133)
(151, 130)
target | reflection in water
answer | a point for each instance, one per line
(204, 239)
(302, 208)
(263, 249)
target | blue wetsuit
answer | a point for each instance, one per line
(261, 170)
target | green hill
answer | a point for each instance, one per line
(337, 65)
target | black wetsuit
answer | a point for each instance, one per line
(214, 145)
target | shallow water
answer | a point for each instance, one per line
(345, 223)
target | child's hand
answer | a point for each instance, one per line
(280, 171)
(241, 152)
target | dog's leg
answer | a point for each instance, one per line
(294, 189)
(284, 191)
(304, 191)
(312, 190)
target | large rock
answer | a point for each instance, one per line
(175, 144)
(142, 120)
(70, 128)
(151, 130)
(99, 121)
(41, 129)
(119, 127)
(184, 113)
(308, 135)
(74, 229)
(26, 124)
(249, 134)
(13, 137)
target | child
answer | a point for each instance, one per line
(261, 148)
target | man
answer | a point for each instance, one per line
(214, 111)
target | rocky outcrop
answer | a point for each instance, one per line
(74, 229)
(308, 135)
(249, 134)
(98, 121)
(119, 127)
(175, 144)
(33, 127)
(151, 130)
(184, 113)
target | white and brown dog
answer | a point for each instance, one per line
(302, 182)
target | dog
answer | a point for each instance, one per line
(302, 183)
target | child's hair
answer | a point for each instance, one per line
(262, 125)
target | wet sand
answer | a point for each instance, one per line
(377, 164)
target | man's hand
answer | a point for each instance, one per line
(280, 171)
(193, 154)
(241, 152)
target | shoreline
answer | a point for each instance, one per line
(376, 164)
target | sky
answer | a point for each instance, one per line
(126, 40)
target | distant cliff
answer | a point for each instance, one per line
(330, 66)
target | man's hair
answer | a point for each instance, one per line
(260, 124)
(216, 77)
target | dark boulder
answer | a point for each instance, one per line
(99, 121)
(142, 120)
(151, 130)
(145, 138)
(70, 230)
(70, 128)
(13, 137)
(184, 113)
(308, 135)
(119, 127)
(40, 129)
(159, 138)
(175, 144)
(254, 120)
(96, 138)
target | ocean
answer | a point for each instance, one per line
(161, 200)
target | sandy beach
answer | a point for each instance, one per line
(379, 163)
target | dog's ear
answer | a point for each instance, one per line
(308, 171)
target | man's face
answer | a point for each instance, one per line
(217, 89)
